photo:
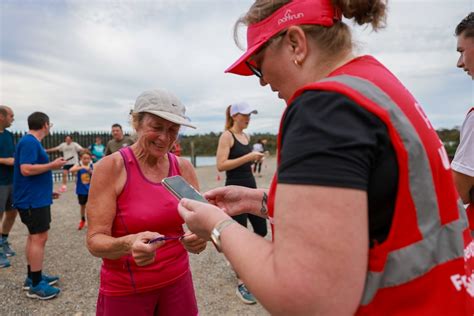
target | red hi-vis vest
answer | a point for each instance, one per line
(425, 267)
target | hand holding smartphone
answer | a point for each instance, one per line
(180, 188)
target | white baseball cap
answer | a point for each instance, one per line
(242, 108)
(164, 104)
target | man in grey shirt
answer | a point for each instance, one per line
(118, 140)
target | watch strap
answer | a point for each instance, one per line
(223, 224)
(217, 230)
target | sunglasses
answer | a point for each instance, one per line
(253, 68)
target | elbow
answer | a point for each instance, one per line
(287, 304)
(25, 172)
(465, 196)
(220, 167)
(466, 199)
(92, 247)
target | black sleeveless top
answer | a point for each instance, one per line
(243, 171)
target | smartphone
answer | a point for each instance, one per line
(69, 158)
(180, 188)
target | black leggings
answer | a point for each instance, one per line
(259, 224)
(257, 167)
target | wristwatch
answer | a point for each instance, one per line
(217, 230)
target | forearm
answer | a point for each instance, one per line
(32, 170)
(257, 202)
(104, 246)
(7, 161)
(75, 169)
(230, 164)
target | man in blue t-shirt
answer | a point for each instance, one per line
(32, 196)
(7, 150)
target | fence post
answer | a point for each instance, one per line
(193, 155)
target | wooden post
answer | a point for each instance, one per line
(193, 155)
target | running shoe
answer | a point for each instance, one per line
(4, 262)
(50, 279)
(6, 249)
(43, 291)
(81, 225)
(63, 188)
(244, 294)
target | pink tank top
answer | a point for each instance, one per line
(145, 206)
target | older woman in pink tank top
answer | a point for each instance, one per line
(128, 207)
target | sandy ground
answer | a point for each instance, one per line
(67, 256)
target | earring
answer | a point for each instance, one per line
(296, 62)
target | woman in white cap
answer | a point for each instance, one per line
(366, 219)
(128, 207)
(235, 157)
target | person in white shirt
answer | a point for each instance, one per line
(463, 162)
(257, 165)
(70, 152)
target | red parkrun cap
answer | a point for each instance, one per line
(297, 12)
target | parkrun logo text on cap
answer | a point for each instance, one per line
(289, 16)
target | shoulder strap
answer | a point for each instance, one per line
(174, 165)
(233, 136)
(127, 157)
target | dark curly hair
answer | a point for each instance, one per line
(466, 26)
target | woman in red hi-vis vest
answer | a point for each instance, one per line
(365, 216)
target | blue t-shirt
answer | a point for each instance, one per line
(7, 150)
(83, 181)
(32, 191)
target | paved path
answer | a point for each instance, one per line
(67, 256)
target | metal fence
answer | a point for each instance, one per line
(85, 139)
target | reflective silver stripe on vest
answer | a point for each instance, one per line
(440, 243)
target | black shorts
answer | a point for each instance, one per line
(37, 220)
(67, 167)
(82, 199)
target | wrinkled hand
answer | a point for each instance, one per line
(193, 243)
(142, 252)
(200, 217)
(232, 199)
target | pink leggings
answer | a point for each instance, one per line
(175, 299)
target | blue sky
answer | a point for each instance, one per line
(84, 62)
